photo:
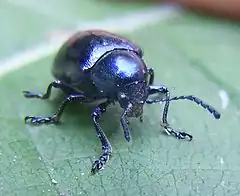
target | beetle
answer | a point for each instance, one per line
(97, 65)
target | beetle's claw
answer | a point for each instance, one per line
(31, 119)
(127, 136)
(178, 134)
(29, 94)
(183, 135)
(96, 167)
(99, 164)
(26, 93)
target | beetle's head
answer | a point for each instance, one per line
(132, 97)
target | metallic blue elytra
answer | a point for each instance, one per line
(97, 65)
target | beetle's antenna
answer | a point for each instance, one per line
(198, 101)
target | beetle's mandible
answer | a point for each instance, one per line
(99, 65)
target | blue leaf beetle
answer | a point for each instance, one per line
(99, 65)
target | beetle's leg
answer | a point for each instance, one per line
(125, 122)
(55, 117)
(55, 84)
(151, 73)
(169, 130)
(106, 146)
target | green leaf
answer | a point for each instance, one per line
(191, 56)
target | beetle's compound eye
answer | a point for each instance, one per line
(123, 100)
(123, 96)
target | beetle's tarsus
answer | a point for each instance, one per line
(55, 84)
(178, 134)
(41, 120)
(99, 164)
(29, 94)
(55, 117)
(106, 146)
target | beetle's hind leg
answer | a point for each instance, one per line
(106, 146)
(169, 130)
(56, 116)
(46, 95)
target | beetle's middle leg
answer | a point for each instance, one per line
(169, 130)
(46, 95)
(150, 72)
(56, 116)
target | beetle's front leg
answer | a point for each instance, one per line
(46, 95)
(169, 130)
(106, 146)
(55, 117)
(150, 72)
